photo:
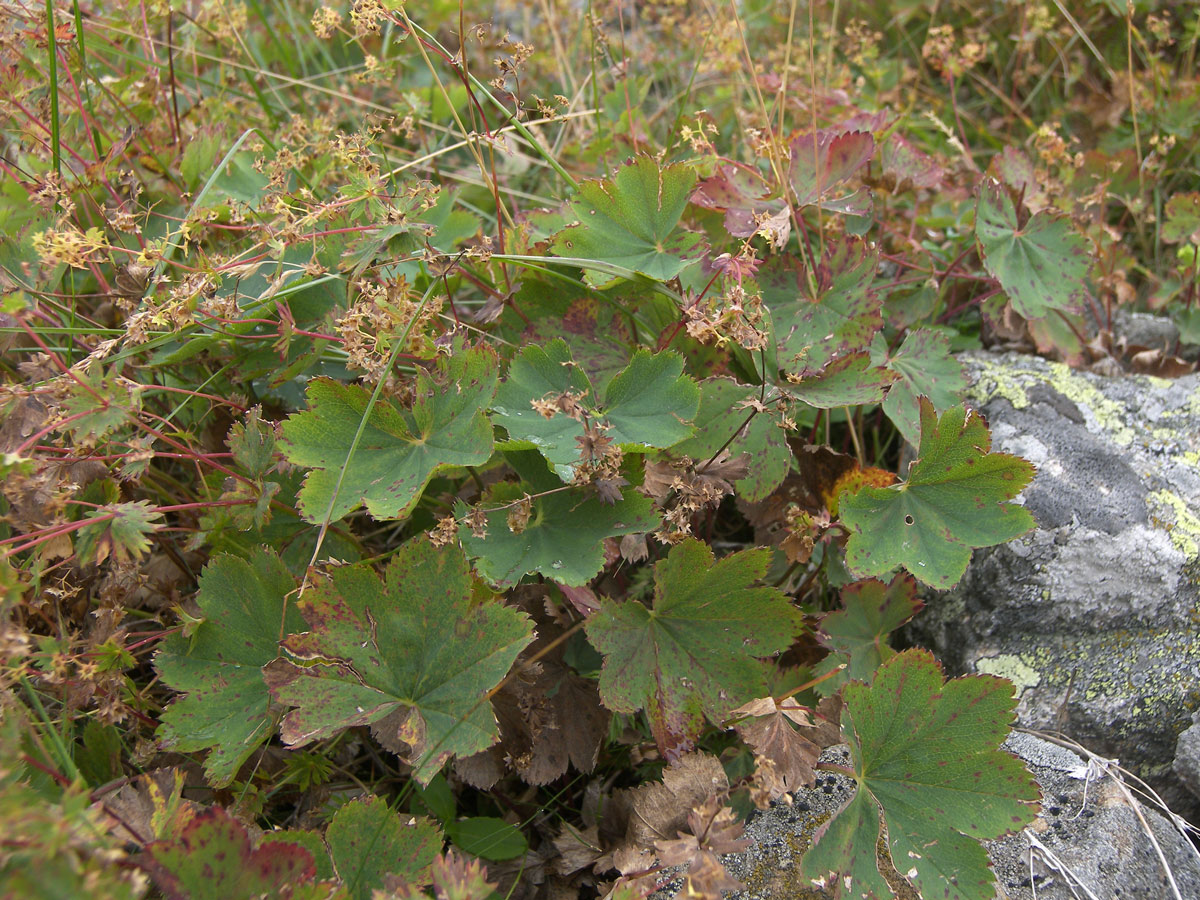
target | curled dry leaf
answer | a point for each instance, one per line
(789, 737)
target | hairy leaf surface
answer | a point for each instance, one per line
(926, 753)
(412, 643)
(953, 501)
(696, 651)
(226, 709)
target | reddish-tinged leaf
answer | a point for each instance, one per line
(1182, 219)
(906, 167)
(788, 735)
(843, 319)
(743, 195)
(697, 651)
(212, 860)
(926, 753)
(856, 635)
(824, 161)
(847, 381)
(414, 644)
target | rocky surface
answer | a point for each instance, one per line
(1094, 615)
(1087, 834)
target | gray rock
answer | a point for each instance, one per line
(1187, 757)
(1087, 834)
(1094, 614)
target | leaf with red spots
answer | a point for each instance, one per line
(856, 635)
(697, 650)
(417, 647)
(1041, 265)
(926, 753)
(629, 223)
(825, 160)
(907, 168)
(212, 859)
(847, 381)
(955, 499)
(843, 319)
(219, 667)
(368, 841)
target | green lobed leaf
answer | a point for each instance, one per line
(540, 373)
(953, 501)
(630, 220)
(925, 367)
(564, 538)
(1181, 219)
(212, 859)
(697, 651)
(926, 753)
(412, 643)
(227, 707)
(368, 840)
(119, 530)
(721, 416)
(650, 403)
(1041, 266)
(399, 450)
(856, 635)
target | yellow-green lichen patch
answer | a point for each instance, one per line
(994, 380)
(1108, 414)
(1185, 529)
(1012, 667)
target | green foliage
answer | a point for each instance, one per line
(368, 841)
(856, 635)
(617, 347)
(412, 649)
(219, 665)
(1041, 264)
(953, 500)
(631, 221)
(385, 464)
(925, 753)
(696, 652)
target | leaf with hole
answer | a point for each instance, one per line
(219, 668)
(925, 753)
(631, 221)
(417, 644)
(955, 499)
(1042, 265)
(696, 652)
(399, 449)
